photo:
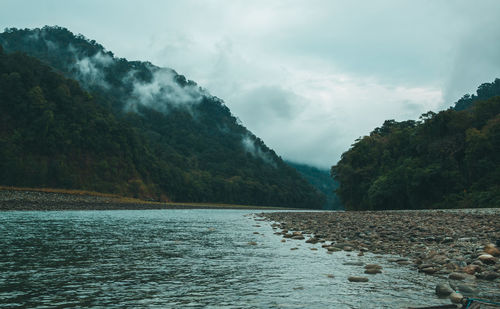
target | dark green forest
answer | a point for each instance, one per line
(322, 181)
(75, 116)
(448, 159)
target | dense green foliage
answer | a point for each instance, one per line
(449, 159)
(322, 181)
(484, 92)
(136, 129)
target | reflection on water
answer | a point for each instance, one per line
(188, 258)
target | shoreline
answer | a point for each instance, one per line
(20, 199)
(460, 247)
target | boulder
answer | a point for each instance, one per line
(487, 259)
(457, 276)
(443, 289)
(456, 298)
(372, 271)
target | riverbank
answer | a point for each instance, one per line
(459, 246)
(23, 199)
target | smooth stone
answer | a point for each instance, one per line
(252, 243)
(353, 263)
(457, 276)
(467, 290)
(488, 275)
(429, 270)
(357, 279)
(348, 248)
(294, 248)
(330, 276)
(456, 298)
(373, 271)
(298, 237)
(283, 240)
(487, 259)
(375, 266)
(332, 249)
(443, 289)
(314, 249)
(492, 250)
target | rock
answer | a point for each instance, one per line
(348, 248)
(457, 276)
(252, 243)
(374, 266)
(330, 276)
(298, 237)
(492, 250)
(488, 275)
(256, 233)
(283, 240)
(429, 270)
(294, 248)
(456, 298)
(487, 259)
(314, 249)
(372, 271)
(357, 279)
(443, 289)
(332, 249)
(471, 269)
(466, 290)
(353, 263)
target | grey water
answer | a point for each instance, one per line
(185, 259)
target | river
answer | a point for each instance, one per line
(186, 259)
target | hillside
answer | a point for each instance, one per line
(128, 127)
(322, 181)
(449, 159)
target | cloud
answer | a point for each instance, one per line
(163, 92)
(90, 69)
(256, 151)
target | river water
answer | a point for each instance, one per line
(185, 259)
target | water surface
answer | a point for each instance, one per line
(184, 258)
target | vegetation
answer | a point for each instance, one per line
(449, 159)
(322, 181)
(87, 120)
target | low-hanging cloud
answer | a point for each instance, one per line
(90, 70)
(164, 92)
(255, 150)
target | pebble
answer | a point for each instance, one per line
(357, 279)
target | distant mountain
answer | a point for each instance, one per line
(484, 92)
(127, 127)
(445, 160)
(322, 181)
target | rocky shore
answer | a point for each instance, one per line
(11, 200)
(459, 246)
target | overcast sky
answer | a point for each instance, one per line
(308, 77)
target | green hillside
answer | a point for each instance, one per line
(127, 127)
(449, 159)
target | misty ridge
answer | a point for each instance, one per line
(137, 84)
(176, 140)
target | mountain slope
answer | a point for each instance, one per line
(191, 148)
(449, 159)
(322, 181)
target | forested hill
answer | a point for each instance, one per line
(449, 159)
(127, 127)
(484, 92)
(322, 181)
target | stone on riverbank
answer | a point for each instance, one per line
(443, 289)
(357, 279)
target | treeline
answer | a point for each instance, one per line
(445, 160)
(321, 180)
(99, 133)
